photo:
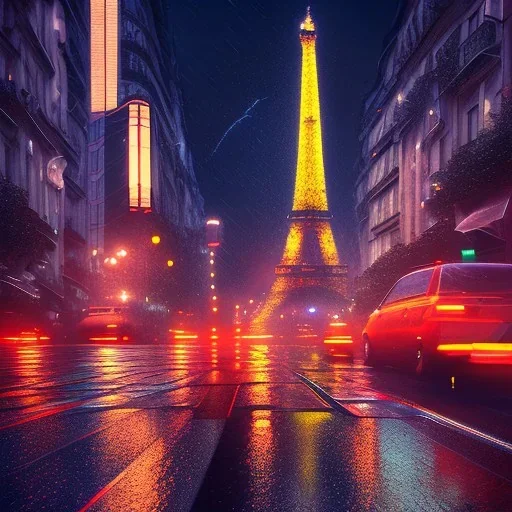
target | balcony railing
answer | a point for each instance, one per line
(480, 40)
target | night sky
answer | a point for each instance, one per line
(234, 52)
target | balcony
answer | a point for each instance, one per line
(483, 38)
(458, 63)
(77, 272)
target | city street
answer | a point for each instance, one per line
(245, 425)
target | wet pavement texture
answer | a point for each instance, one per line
(240, 426)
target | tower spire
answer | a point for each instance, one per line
(310, 192)
(308, 24)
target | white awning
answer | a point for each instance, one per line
(490, 211)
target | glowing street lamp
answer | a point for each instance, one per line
(113, 261)
(124, 296)
(170, 263)
(95, 252)
(122, 253)
(155, 239)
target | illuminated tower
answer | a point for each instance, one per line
(310, 268)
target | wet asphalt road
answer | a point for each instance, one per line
(226, 426)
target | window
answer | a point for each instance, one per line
(139, 155)
(443, 157)
(395, 237)
(104, 54)
(28, 170)
(473, 123)
(8, 163)
(473, 23)
(468, 278)
(384, 207)
(412, 285)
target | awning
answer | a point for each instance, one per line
(490, 211)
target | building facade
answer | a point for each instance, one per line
(141, 170)
(434, 116)
(43, 138)
(78, 80)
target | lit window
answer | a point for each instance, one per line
(104, 54)
(139, 155)
(473, 123)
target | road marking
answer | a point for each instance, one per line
(422, 412)
(49, 412)
(113, 482)
(218, 402)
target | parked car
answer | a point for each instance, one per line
(338, 340)
(455, 315)
(106, 324)
(133, 323)
(17, 327)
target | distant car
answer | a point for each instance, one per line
(16, 327)
(107, 324)
(448, 315)
(338, 340)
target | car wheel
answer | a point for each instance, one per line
(369, 357)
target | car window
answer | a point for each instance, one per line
(469, 278)
(410, 286)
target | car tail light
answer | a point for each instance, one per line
(338, 340)
(451, 308)
(111, 326)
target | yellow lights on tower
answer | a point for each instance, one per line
(104, 54)
(327, 244)
(294, 242)
(139, 155)
(310, 192)
(308, 24)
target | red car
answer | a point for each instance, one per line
(338, 340)
(448, 315)
(18, 328)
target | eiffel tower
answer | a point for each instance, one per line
(310, 268)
